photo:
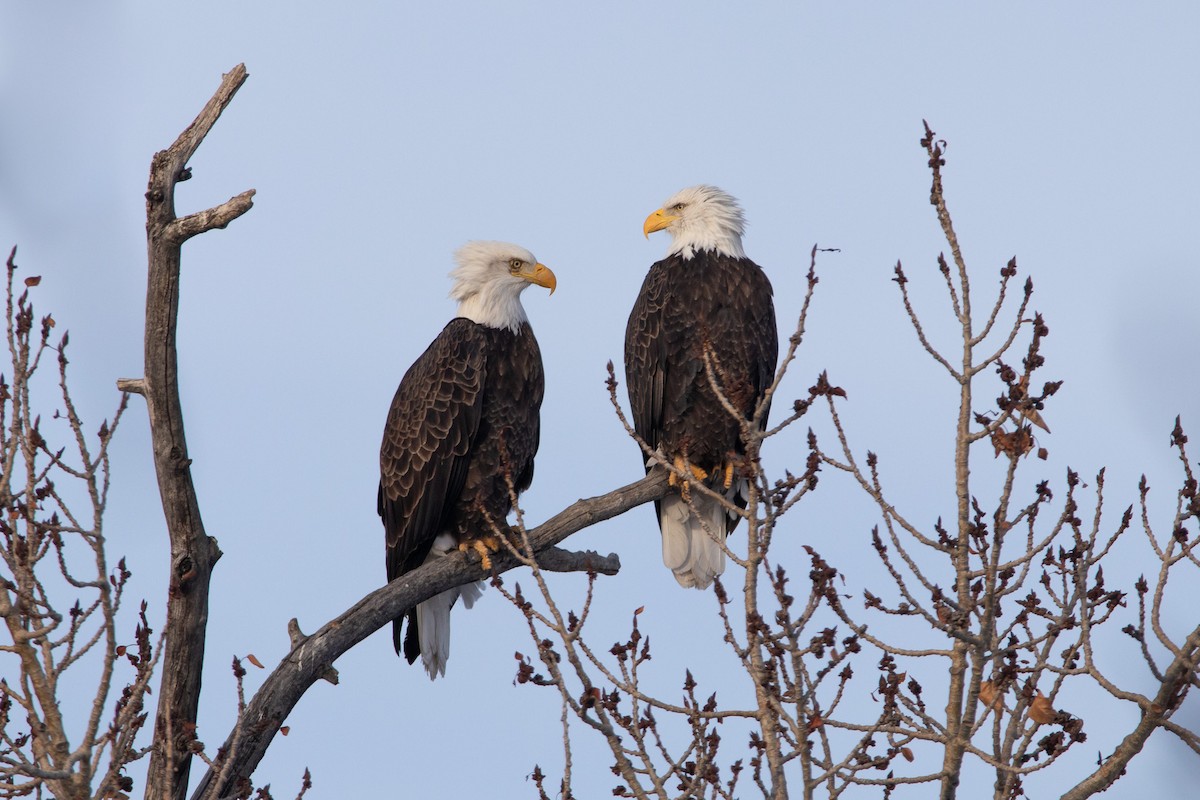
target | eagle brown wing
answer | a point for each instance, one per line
(645, 361)
(427, 442)
(759, 350)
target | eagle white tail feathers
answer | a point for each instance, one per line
(433, 625)
(433, 616)
(690, 551)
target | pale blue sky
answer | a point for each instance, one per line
(380, 137)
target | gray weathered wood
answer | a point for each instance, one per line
(193, 553)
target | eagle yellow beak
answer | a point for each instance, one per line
(657, 221)
(540, 275)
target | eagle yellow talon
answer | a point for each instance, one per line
(728, 474)
(484, 546)
(674, 480)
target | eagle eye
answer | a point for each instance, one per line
(514, 265)
(677, 207)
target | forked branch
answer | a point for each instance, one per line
(193, 552)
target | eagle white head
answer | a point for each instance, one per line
(700, 218)
(489, 280)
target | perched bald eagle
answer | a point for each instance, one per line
(705, 292)
(466, 412)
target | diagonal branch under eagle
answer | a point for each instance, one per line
(463, 424)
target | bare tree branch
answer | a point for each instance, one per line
(555, 559)
(1177, 679)
(307, 663)
(59, 599)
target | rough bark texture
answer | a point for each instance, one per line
(1176, 680)
(193, 552)
(313, 656)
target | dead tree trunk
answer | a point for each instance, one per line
(193, 552)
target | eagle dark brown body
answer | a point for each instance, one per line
(710, 298)
(465, 414)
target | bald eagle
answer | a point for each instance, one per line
(704, 293)
(465, 415)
